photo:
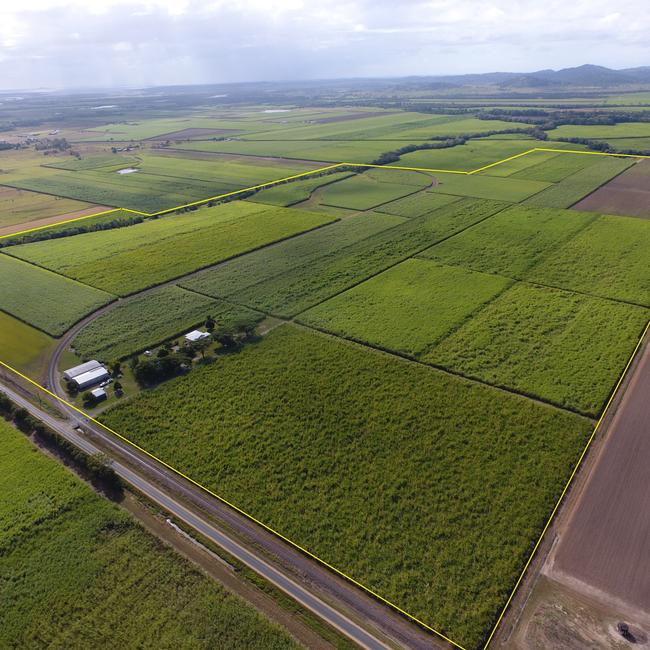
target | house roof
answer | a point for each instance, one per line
(196, 335)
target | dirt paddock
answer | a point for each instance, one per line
(627, 194)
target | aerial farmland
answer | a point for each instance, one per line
(384, 337)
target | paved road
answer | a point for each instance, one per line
(306, 598)
(606, 543)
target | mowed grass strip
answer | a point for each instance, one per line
(510, 242)
(230, 278)
(304, 286)
(77, 572)
(137, 324)
(129, 259)
(509, 189)
(21, 345)
(369, 462)
(44, 299)
(362, 192)
(576, 186)
(418, 204)
(408, 307)
(559, 346)
(609, 258)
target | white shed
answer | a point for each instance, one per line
(91, 377)
(98, 393)
(71, 373)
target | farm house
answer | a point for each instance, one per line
(196, 335)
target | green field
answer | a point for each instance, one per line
(293, 192)
(112, 219)
(609, 258)
(466, 157)
(559, 346)
(44, 299)
(555, 169)
(161, 182)
(21, 346)
(129, 259)
(369, 462)
(575, 187)
(141, 323)
(512, 241)
(326, 151)
(363, 192)
(511, 167)
(230, 278)
(77, 572)
(304, 286)
(417, 205)
(602, 131)
(488, 187)
(21, 206)
(408, 307)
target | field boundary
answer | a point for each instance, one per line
(262, 524)
(333, 568)
(317, 171)
(569, 482)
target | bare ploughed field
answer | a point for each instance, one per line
(606, 543)
(627, 194)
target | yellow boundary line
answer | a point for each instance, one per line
(569, 481)
(333, 568)
(231, 505)
(265, 526)
(316, 171)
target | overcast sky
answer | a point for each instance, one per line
(104, 43)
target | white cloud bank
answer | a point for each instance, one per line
(54, 43)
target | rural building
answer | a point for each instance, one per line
(196, 335)
(91, 377)
(98, 394)
(71, 373)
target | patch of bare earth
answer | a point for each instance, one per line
(559, 618)
(628, 194)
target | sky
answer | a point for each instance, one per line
(131, 43)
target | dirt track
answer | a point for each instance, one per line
(606, 543)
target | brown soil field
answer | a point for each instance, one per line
(628, 194)
(606, 541)
(188, 134)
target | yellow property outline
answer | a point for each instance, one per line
(316, 171)
(273, 531)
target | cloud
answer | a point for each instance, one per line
(57, 43)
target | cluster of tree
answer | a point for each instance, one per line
(97, 465)
(149, 372)
(4, 146)
(56, 144)
(444, 142)
(69, 231)
(169, 363)
(226, 199)
(601, 145)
